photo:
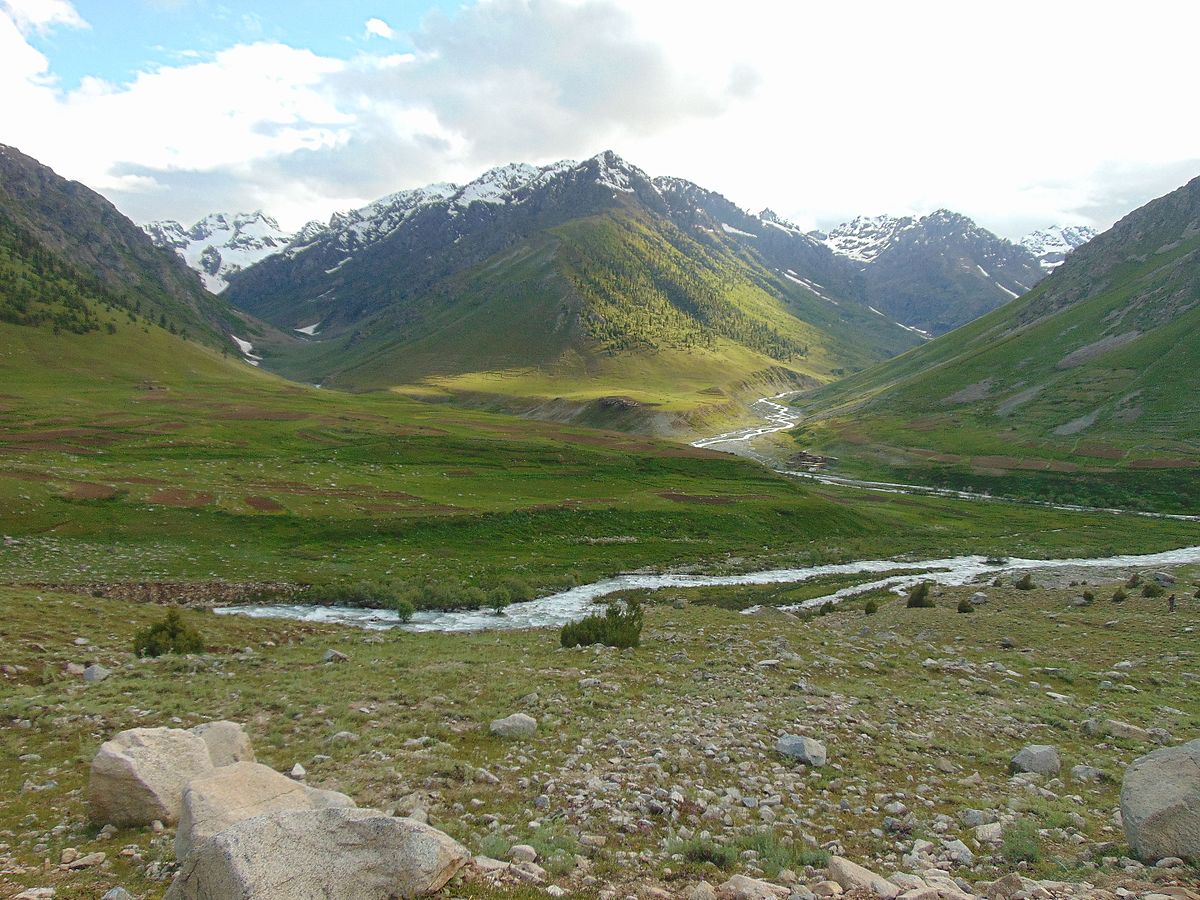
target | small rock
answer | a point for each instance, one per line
(518, 725)
(334, 656)
(522, 853)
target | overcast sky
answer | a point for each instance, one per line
(1020, 114)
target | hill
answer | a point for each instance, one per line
(1087, 388)
(576, 284)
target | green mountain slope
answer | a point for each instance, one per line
(1091, 382)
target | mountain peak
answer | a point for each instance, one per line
(1053, 244)
(221, 243)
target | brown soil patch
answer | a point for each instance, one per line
(83, 490)
(349, 492)
(256, 414)
(25, 475)
(1164, 463)
(264, 504)
(142, 479)
(1099, 451)
(181, 498)
(460, 473)
(1027, 465)
(709, 499)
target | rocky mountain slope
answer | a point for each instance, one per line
(1097, 370)
(221, 244)
(935, 272)
(585, 275)
(1052, 245)
(70, 261)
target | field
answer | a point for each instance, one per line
(911, 703)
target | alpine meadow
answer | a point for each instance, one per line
(403, 494)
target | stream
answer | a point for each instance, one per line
(575, 603)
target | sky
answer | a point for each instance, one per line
(1020, 115)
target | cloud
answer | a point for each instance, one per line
(379, 28)
(42, 16)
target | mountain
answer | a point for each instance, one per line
(567, 284)
(1091, 380)
(70, 262)
(936, 272)
(221, 244)
(1052, 245)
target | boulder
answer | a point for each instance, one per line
(140, 775)
(1039, 759)
(852, 876)
(227, 742)
(1160, 803)
(95, 673)
(229, 794)
(518, 725)
(804, 749)
(332, 854)
(740, 887)
(1125, 732)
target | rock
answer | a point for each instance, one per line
(1125, 732)
(1160, 803)
(979, 598)
(701, 891)
(240, 791)
(522, 853)
(959, 852)
(1039, 759)
(518, 725)
(740, 887)
(85, 862)
(72, 668)
(95, 673)
(852, 876)
(804, 749)
(334, 854)
(343, 737)
(117, 893)
(227, 742)
(1086, 773)
(1005, 888)
(827, 889)
(298, 772)
(140, 775)
(990, 833)
(334, 656)
(37, 893)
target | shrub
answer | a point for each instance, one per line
(172, 635)
(616, 628)
(1022, 843)
(826, 607)
(361, 595)
(1120, 596)
(704, 850)
(1024, 583)
(918, 597)
(774, 855)
(498, 599)
(871, 608)
(1134, 580)
(964, 606)
(1153, 589)
(1088, 597)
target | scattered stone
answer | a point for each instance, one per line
(227, 742)
(851, 876)
(117, 893)
(522, 853)
(804, 749)
(298, 772)
(229, 794)
(334, 656)
(518, 725)
(140, 775)
(95, 673)
(1160, 803)
(701, 891)
(85, 862)
(1039, 759)
(741, 887)
(1086, 773)
(335, 854)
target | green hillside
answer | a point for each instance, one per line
(1085, 389)
(620, 304)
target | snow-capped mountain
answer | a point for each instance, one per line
(1052, 245)
(221, 244)
(865, 237)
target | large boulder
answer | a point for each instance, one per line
(1160, 803)
(805, 749)
(139, 776)
(1039, 759)
(324, 854)
(227, 742)
(852, 876)
(518, 725)
(229, 794)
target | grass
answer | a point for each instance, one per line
(421, 704)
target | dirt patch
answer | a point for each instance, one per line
(83, 490)
(972, 392)
(264, 504)
(180, 498)
(1099, 451)
(709, 499)
(1097, 348)
(199, 595)
(1028, 465)
(1164, 464)
(256, 414)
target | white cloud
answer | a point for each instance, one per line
(41, 16)
(379, 28)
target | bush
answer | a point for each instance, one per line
(616, 628)
(774, 855)
(1120, 596)
(1088, 597)
(964, 606)
(1134, 580)
(1022, 843)
(704, 850)
(918, 597)
(1153, 589)
(826, 607)
(871, 608)
(172, 635)
(360, 595)
(498, 599)
(1024, 583)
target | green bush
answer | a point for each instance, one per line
(704, 850)
(964, 606)
(616, 628)
(774, 855)
(498, 599)
(1088, 597)
(1021, 842)
(826, 607)
(919, 598)
(361, 595)
(172, 635)
(871, 608)
(1153, 589)
(1134, 580)
(1024, 583)
(1120, 596)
